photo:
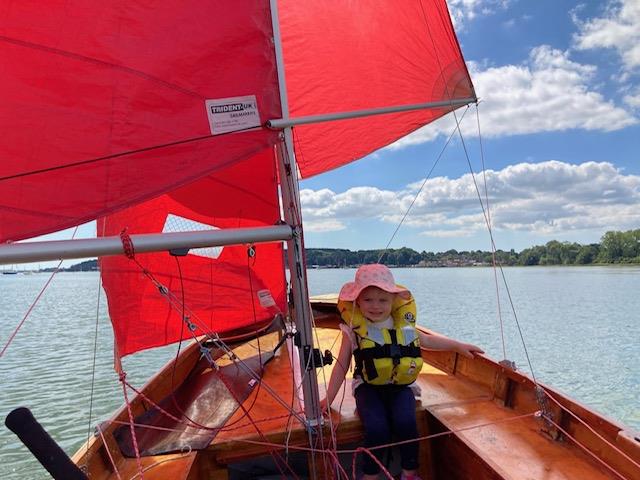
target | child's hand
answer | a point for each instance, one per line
(323, 406)
(468, 349)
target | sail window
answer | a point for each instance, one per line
(175, 223)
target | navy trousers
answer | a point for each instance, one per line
(388, 411)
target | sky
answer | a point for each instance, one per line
(559, 116)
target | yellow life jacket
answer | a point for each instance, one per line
(386, 355)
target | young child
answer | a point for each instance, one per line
(380, 332)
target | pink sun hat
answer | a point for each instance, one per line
(373, 275)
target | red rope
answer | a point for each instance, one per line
(15, 332)
(123, 376)
(127, 244)
(26, 315)
(591, 429)
(589, 451)
(106, 447)
(368, 452)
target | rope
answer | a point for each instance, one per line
(493, 249)
(424, 182)
(106, 447)
(29, 310)
(134, 439)
(592, 430)
(375, 459)
(93, 370)
(127, 244)
(602, 462)
(34, 303)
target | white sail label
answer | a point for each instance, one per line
(265, 298)
(232, 114)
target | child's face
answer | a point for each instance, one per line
(375, 304)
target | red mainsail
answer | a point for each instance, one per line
(103, 103)
(225, 288)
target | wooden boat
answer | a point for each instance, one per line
(477, 419)
(182, 114)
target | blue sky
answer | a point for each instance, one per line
(560, 122)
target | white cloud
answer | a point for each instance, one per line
(633, 99)
(545, 198)
(618, 28)
(464, 10)
(548, 93)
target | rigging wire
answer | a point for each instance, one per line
(490, 230)
(484, 211)
(424, 182)
(93, 369)
(493, 247)
(35, 302)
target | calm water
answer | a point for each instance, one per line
(580, 325)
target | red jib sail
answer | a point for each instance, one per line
(224, 289)
(107, 112)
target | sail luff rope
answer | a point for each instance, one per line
(493, 248)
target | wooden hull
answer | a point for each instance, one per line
(480, 420)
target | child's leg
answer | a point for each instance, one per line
(373, 415)
(405, 426)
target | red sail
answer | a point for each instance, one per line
(224, 289)
(103, 103)
(344, 55)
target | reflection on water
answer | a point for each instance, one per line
(580, 326)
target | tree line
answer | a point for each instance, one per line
(614, 247)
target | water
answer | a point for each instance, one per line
(580, 326)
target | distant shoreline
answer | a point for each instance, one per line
(615, 248)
